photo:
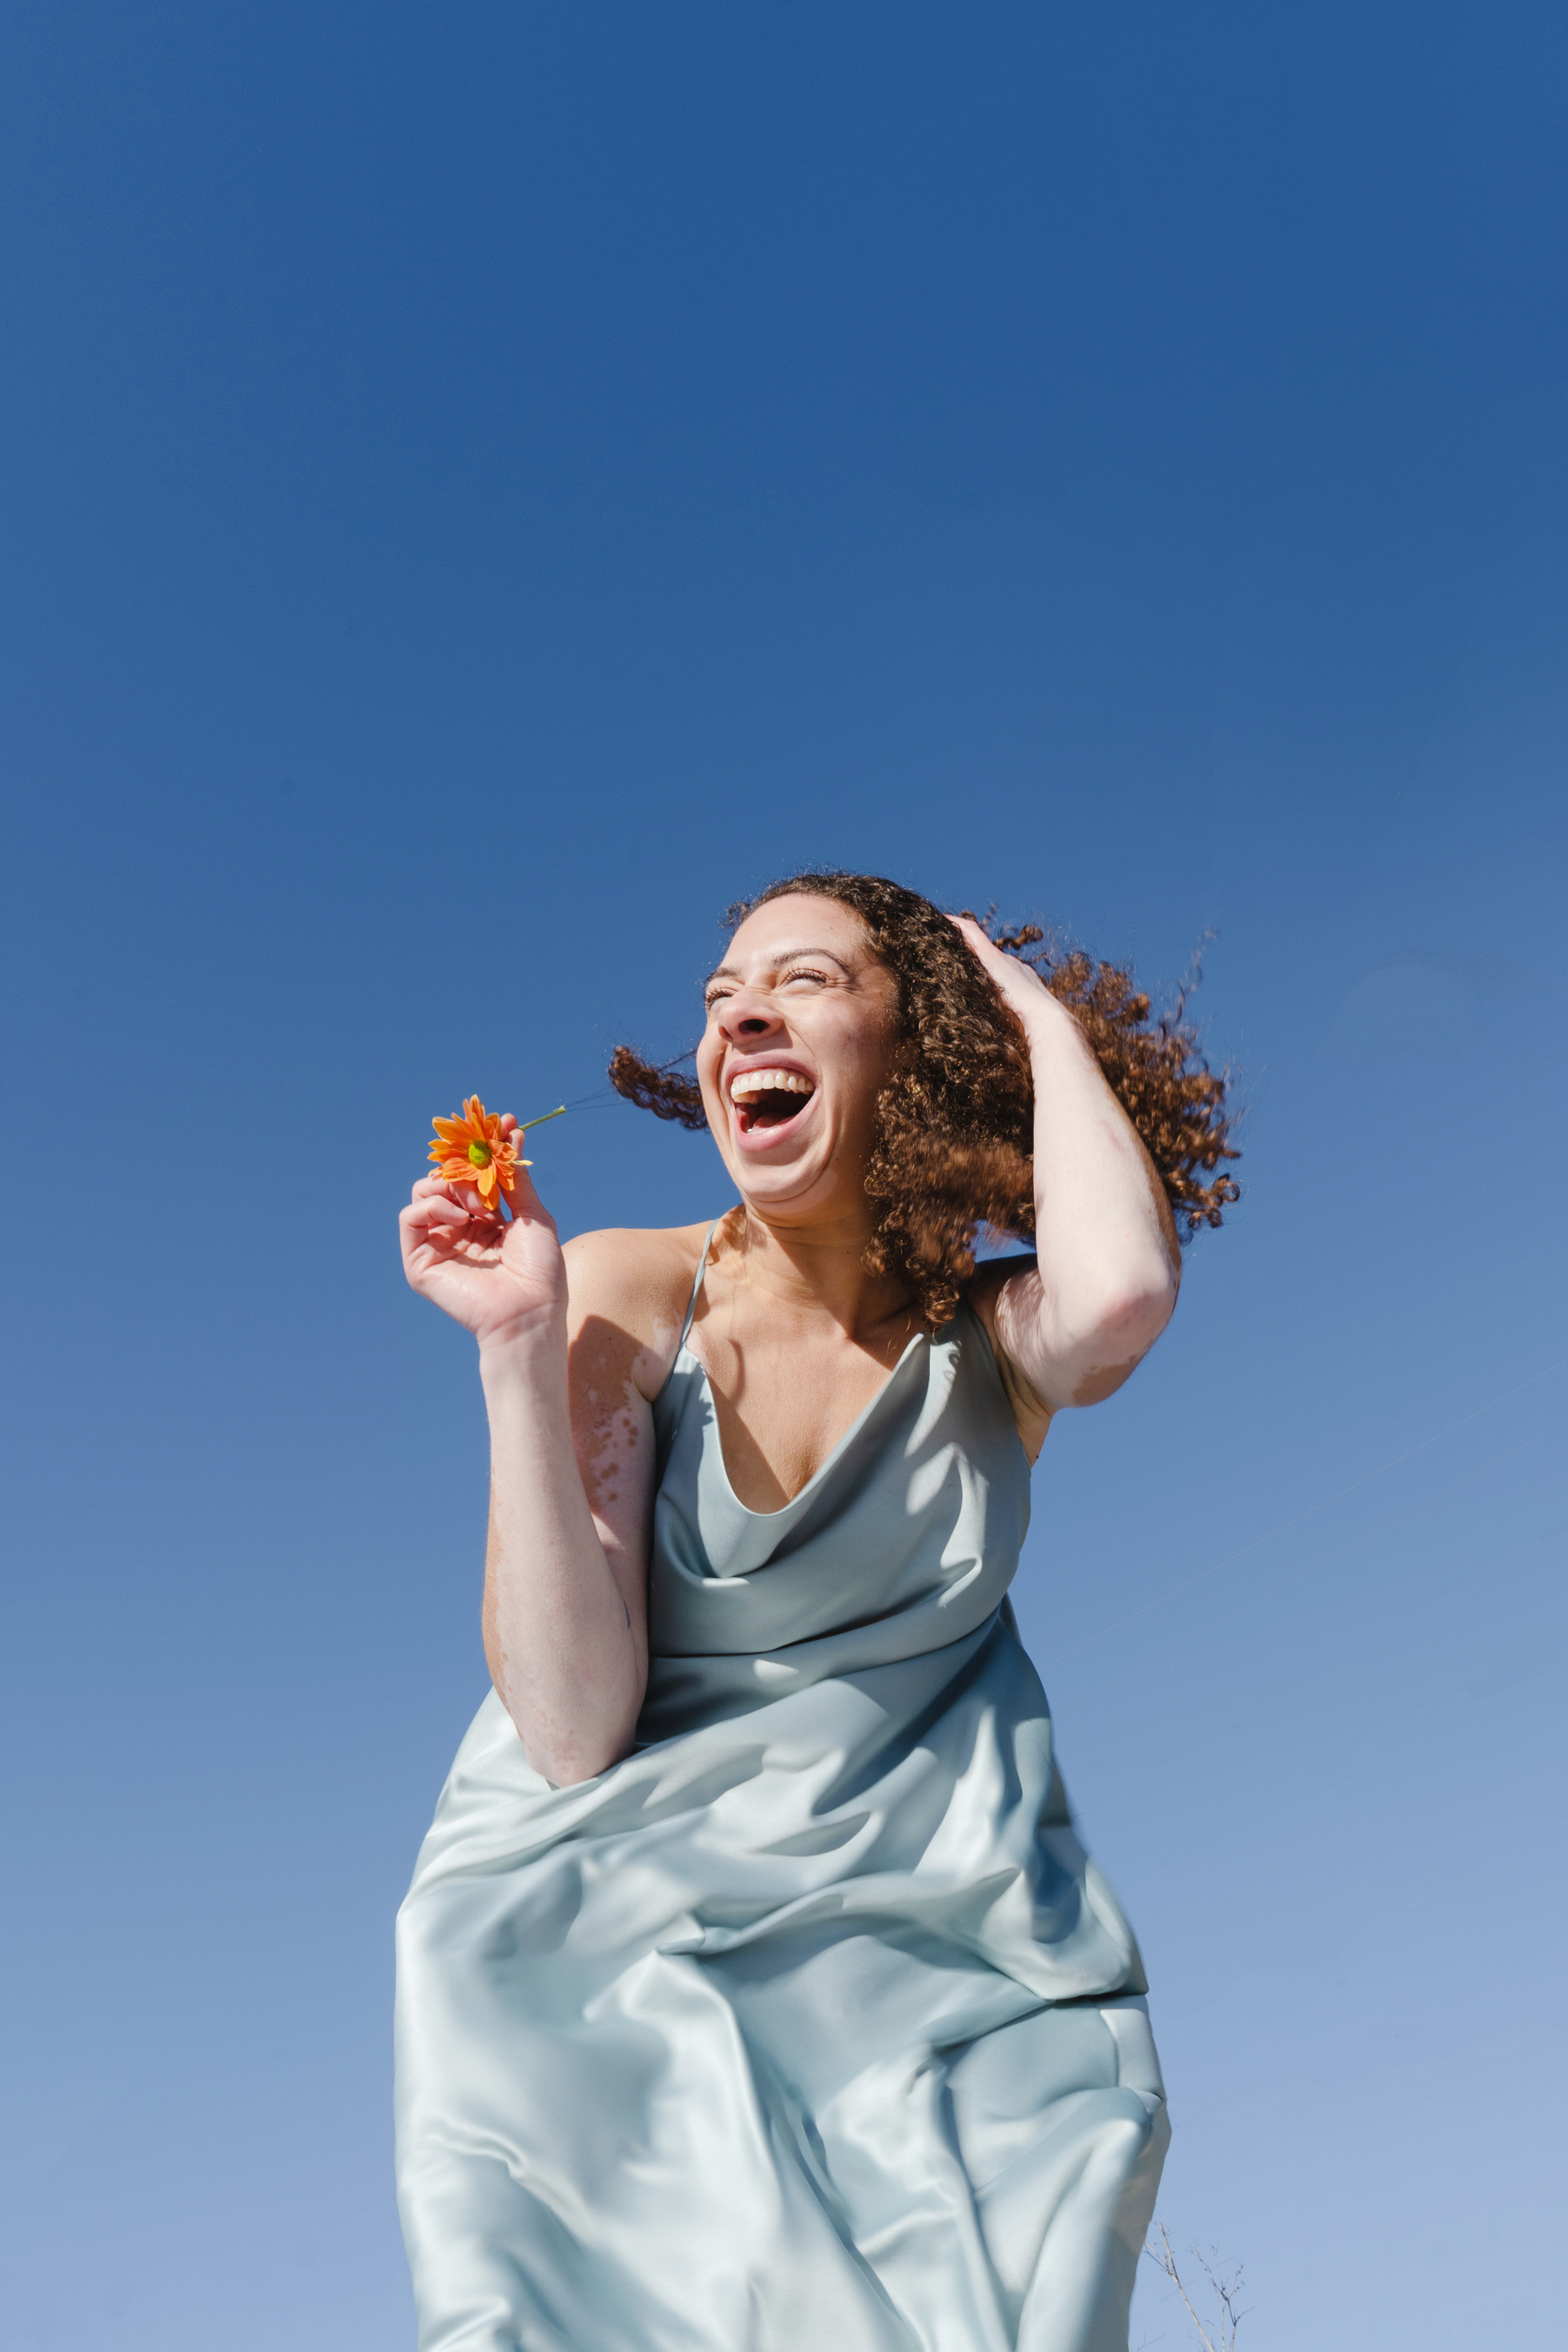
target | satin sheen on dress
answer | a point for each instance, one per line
(810, 2023)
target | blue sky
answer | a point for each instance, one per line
(485, 488)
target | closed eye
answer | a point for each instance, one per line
(717, 995)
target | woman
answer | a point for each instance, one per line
(754, 1991)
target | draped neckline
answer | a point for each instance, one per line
(831, 1459)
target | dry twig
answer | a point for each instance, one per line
(1226, 2288)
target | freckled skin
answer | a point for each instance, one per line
(604, 1444)
(610, 1377)
(604, 1450)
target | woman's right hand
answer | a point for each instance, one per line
(499, 1281)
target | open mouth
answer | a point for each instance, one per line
(768, 1098)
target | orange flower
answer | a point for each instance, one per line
(473, 1151)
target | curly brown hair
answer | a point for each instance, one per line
(954, 1121)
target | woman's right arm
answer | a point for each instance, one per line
(567, 1379)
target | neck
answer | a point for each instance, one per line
(818, 1267)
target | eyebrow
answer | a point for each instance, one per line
(785, 955)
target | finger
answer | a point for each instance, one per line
(437, 1212)
(973, 936)
(446, 1188)
(433, 1228)
(425, 1201)
(429, 1192)
(522, 1185)
(432, 1245)
(524, 1202)
(466, 1197)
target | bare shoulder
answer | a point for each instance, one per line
(628, 1288)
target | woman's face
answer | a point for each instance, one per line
(801, 1021)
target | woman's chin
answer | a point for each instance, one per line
(777, 1179)
(780, 1175)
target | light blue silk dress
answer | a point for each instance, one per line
(810, 2023)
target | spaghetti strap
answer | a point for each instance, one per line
(697, 1283)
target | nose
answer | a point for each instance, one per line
(747, 1017)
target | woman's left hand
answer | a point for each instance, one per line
(1019, 985)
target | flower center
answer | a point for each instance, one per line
(480, 1155)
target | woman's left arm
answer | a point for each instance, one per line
(1108, 1265)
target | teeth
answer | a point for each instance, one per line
(756, 1082)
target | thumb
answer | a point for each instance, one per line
(523, 1199)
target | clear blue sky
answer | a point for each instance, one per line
(486, 486)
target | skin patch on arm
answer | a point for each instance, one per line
(608, 1412)
(1097, 1385)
